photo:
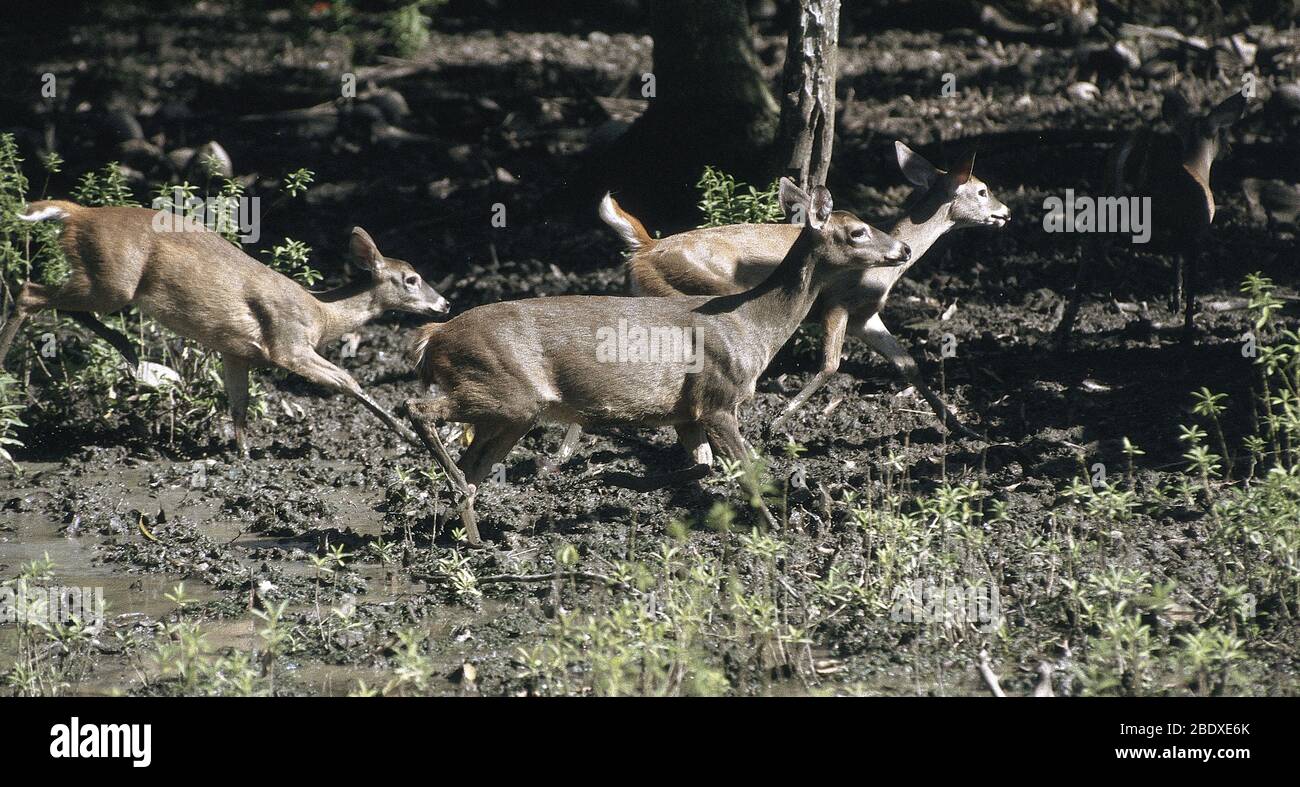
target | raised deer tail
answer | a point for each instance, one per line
(625, 224)
(418, 354)
(49, 210)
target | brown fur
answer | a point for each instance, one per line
(205, 288)
(1172, 168)
(729, 259)
(505, 366)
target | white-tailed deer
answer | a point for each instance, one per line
(718, 260)
(686, 362)
(1173, 169)
(205, 288)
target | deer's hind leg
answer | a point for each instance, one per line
(78, 296)
(1188, 261)
(492, 444)
(565, 451)
(319, 370)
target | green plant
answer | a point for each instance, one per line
(725, 201)
(9, 420)
(292, 259)
(407, 28)
(51, 654)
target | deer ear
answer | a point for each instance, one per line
(963, 171)
(1229, 111)
(365, 254)
(821, 207)
(794, 201)
(916, 169)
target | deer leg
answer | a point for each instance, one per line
(882, 341)
(1082, 277)
(696, 443)
(567, 447)
(833, 323)
(234, 375)
(115, 338)
(31, 299)
(491, 446)
(425, 414)
(724, 432)
(1189, 295)
(1180, 273)
(320, 371)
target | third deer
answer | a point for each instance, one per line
(1172, 168)
(205, 288)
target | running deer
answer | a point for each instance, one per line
(594, 359)
(1173, 169)
(205, 288)
(721, 260)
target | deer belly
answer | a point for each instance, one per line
(621, 392)
(234, 334)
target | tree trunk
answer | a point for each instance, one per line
(808, 92)
(708, 104)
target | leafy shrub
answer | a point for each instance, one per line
(725, 201)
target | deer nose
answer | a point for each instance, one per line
(901, 254)
(440, 306)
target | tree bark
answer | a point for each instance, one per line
(808, 92)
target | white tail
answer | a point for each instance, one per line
(632, 232)
(505, 366)
(205, 288)
(45, 212)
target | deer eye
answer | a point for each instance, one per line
(983, 192)
(411, 281)
(858, 233)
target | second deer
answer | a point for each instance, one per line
(205, 288)
(729, 259)
(504, 367)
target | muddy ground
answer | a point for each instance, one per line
(499, 116)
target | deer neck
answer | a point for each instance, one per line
(919, 229)
(1199, 159)
(346, 308)
(776, 307)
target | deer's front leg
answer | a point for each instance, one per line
(878, 337)
(425, 414)
(115, 338)
(567, 447)
(695, 442)
(834, 322)
(724, 432)
(234, 375)
(31, 298)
